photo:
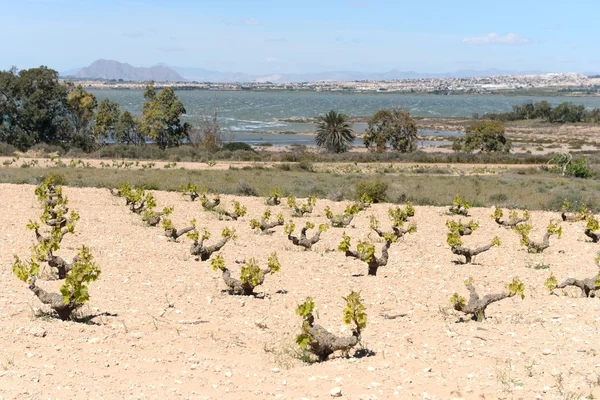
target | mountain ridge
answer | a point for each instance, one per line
(110, 69)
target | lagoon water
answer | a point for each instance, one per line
(253, 116)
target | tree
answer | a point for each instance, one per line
(567, 112)
(209, 134)
(334, 132)
(486, 136)
(81, 106)
(128, 131)
(32, 108)
(107, 117)
(396, 127)
(161, 118)
(542, 109)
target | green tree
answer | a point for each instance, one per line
(81, 106)
(486, 136)
(567, 112)
(127, 130)
(396, 127)
(106, 118)
(334, 132)
(32, 107)
(542, 109)
(161, 117)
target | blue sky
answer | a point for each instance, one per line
(266, 36)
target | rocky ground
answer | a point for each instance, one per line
(162, 326)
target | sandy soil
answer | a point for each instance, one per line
(174, 333)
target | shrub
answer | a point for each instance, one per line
(7, 149)
(265, 225)
(343, 220)
(513, 218)
(172, 232)
(460, 206)
(476, 306)
(454, 239)
(246, 189)
(591, 228)
(77, 275)
(318, 340)
(463, 229)
(190, 191)
(375, 191)
(588, 286)
(365, 252)
(399, 216)
(569, 214)
(301, 210)
(305, 165)
(237, 146)
(303, 240)
(204, 252)
(55, 178)
(274, 198)
(207, 203)
(238, 211)
(251, 275)
(524, 230)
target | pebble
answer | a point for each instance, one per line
(37, 332)
(336, 392)
(428, 369)
(94, 340)
(546, 352)
(275, 370)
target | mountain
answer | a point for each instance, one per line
(107, 69)
(110, 69)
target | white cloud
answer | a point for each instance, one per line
(251, 21)
(494, 38)
(271, 60)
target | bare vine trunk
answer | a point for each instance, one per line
(175, 234)
(538, 247)
(204, 252)
(54, 300)
(587, 286)
(476, 306)
(303, 241)
(470, 253)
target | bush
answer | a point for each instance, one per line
(486, 136)
(579, 169)
(237, 146)
(246, 189)
(55, 178)
(47, 149)
(376, 190)
(306, 165)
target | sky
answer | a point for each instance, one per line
(289, 36)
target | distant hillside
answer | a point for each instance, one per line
(204, 75)
(109, 69)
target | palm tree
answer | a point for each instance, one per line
(334, 132)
